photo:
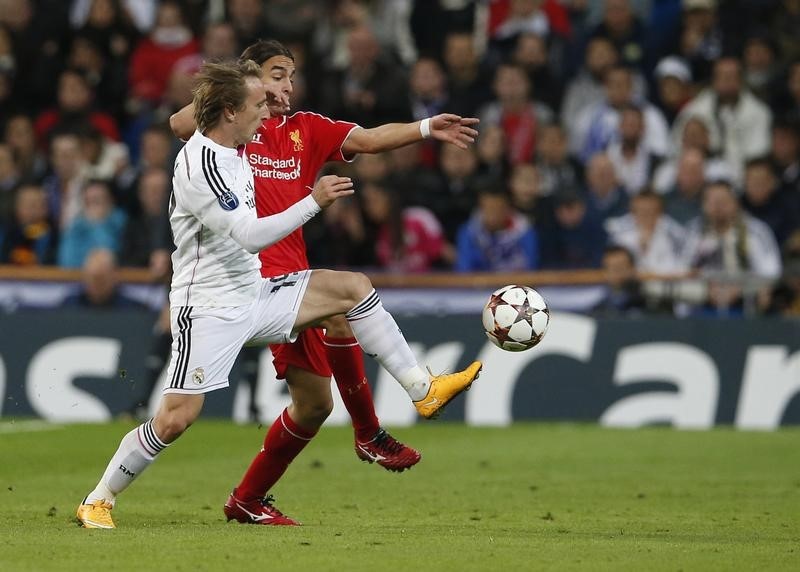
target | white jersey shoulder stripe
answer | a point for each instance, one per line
(211, 173)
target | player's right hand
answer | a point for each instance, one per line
(331, 187)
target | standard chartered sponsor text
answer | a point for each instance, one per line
(280, 169)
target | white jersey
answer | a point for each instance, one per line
(212, 192)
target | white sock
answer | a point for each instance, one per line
(137, 450)
(380, 337)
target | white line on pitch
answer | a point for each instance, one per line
(27, 426)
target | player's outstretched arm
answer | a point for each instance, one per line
(255, 235)
(182, 122)
(445, 127)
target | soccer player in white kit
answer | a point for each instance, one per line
(219, 301)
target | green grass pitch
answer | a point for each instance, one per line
(527, 497)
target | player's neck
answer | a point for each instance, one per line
(222, 136)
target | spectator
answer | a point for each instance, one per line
(20, 136)
(147, 241)
(100, 285)
(761, 68)
(155, 152)
(113, 17)
(371, 168)
(557, 168)
(372, 90)
(654, 239)
(724, 239)
(700, 41)
(684, 201)
(338, 237)
(74, 111)
(9, 178)
(598, 125)
(496, 238)
(786, 155)
(633, 162)
(530, 53)
(587, 88)
(407, 172)
(514, 110)
(105, 159)
(31, 238)
(606, 198)
(406, 239)
(787, 99)
(491, 149)
(623, 295)
(738, 122)
(99, 225)
(764, 200)
(783, 26)
(155, 55)
(64, 187)
(467, 83)
(428, 93)
(526, 197)
(388, 21)
(576, 238)
(522, 17)
(456, 196)
(784, 299)
(249, 21)
(625, 31)
(218, 44)
(673, 86)
(106, 74)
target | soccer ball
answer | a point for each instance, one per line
(515, 318)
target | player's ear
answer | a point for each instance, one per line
(230, 115)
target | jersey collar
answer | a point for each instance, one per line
(221, 149)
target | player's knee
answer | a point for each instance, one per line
(172, 425)
(313, 413)
(360, 286)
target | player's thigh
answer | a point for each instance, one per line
(311, 393)
(276, 308)
(205, 343)
(329, 293)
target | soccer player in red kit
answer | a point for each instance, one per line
(286, 155)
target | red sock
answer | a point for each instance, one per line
(347, 363)
(284, 440)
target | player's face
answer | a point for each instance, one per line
(278, 74)
(248, 119)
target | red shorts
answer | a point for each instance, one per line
(306, 353)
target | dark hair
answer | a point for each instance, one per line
(758, 162)
(263, 50)
(617, 249)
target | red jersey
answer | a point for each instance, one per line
(286, 154)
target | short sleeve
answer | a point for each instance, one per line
(329, 136)
(210, 196)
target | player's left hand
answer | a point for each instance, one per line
(454, 129)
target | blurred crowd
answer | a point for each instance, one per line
(659, 135)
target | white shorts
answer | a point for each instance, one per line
(206, 340)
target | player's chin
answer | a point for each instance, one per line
(278, 110)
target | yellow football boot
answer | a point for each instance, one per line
(96, 514)
(444, 388)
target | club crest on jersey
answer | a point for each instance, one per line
(228, 201)
(298, 142)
